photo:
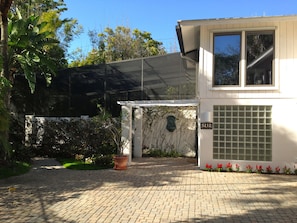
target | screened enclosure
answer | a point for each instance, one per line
(77, 91)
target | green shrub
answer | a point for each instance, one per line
(16, 138)
(67, 138)
(104, 161)
(22, 153)
(5, 148)
(88, 163)
(163, 153)
(15, 169)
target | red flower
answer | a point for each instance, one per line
(259, 168)
(219, 167)
(229, 165)
(249, 168)
(208, 166)
(269, 169)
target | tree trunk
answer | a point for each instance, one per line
(4, 9)
(4, 52)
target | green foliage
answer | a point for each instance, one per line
(21, 153)
(16, 169)
(120, 44)
(36, 7)
(106, 123)
(65, 30)
(66, 138)
(5, 149)
(16, 137)
(123, 44)
(33, 29)
(29, 49)
(104, 161)
(113, 127)
(97, 162)
(163, 153)
(49, 11)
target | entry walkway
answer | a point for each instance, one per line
(151, 190)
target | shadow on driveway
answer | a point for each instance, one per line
(151, 190)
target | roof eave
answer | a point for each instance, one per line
(215, 21)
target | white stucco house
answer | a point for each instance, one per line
(246, 90)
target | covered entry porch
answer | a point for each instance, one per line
(168, 125)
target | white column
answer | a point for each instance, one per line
(126, 125)
(137, 133)
(29, 120)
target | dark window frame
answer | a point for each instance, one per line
(214, 58)
(243, 72)
(269, 78)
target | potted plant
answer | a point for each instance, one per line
(113, 125)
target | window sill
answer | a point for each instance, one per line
(255, 88)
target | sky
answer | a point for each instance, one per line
(159, 17)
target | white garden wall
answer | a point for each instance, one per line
(156, 136)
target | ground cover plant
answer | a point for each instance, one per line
(161, 153)
(89, 163)
(14, 169)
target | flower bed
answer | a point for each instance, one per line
(229, 167)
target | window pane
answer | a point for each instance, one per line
(226, 59)
(260, 47)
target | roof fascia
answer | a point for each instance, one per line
(200, 22)
(154, 103)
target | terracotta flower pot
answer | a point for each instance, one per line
(120, 162)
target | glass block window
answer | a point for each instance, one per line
(242, 132)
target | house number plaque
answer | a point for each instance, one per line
(206, 125)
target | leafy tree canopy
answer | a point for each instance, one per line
(29, 49)
(38, 38)
(64, 30)
(119, 44)
(33, 41)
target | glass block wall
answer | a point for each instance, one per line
(242, 132)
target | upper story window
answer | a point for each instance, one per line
(259, 57)
(243, 59)
(226, 59)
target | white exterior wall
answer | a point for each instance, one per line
(284, 132)
(283, 97)
(182, 139)
(285, 62)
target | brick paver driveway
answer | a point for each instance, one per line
(151, 190)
